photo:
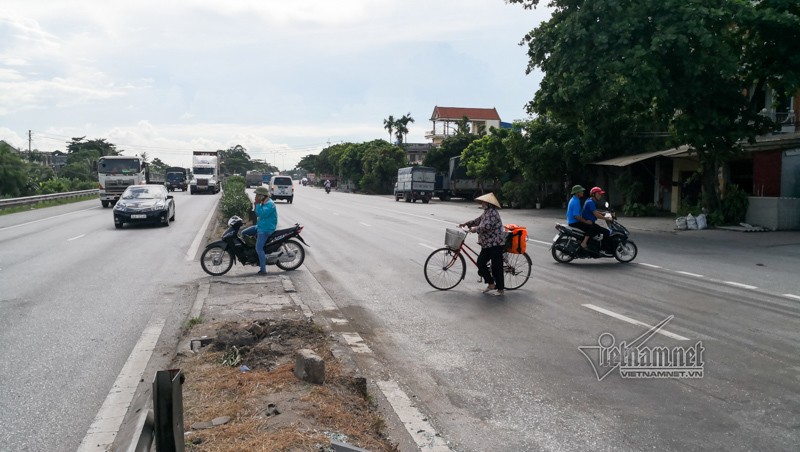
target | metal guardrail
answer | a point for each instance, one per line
(13, 202)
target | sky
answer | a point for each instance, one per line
(282, 78)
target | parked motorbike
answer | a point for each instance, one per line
(567, 243)
(282, 249)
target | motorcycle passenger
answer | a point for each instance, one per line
(267, 223)
(491, 238)
(575, 216)
(592, 214)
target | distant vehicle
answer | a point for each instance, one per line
(253, 179)
(415, 183)
(177, 178)
(144, 204)
(265, 178)
(115, 173)
(457, 184)
(205, 172)
(281, 187)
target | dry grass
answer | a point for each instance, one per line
(307, 411)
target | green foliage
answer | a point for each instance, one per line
(13, 173)
(615, 73)
(733, 207)
(380, 163)
(452, 146)
(638, 209)
(487, 158)
(234, 199)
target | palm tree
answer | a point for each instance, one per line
(389, 124)
(403, 124)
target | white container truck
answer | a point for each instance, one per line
(205, 172)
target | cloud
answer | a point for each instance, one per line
(270, 75)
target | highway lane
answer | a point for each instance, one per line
(75, 296)
(507, 373)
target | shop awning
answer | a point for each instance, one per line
(631, 159)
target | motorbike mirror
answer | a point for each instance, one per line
(606, 204)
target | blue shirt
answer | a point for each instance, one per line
(267, 217)
(588, 210)
(574, 210)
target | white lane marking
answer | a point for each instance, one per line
(48, 218)
(190, 253)
(743, 286)
(625, 318)
(355, 342)
(791, 296)
(103, 431)
(649, 265)
(365, 224)
(539, 241)
(416, 423)
(76, 237)
(427, 246)
(690, 274)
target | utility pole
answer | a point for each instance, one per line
(29, 145)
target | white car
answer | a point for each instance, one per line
(281, 187)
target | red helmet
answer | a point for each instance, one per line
(597, 190)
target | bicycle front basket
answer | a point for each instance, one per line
(453, 238)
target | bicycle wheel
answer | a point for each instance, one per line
(216, 261)
(445, 268)
(516, 270)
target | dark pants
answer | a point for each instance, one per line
(592, 230)
(495, 276)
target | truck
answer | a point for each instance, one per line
(415, 183)
(253, 178)
(457, 184)
(205, 172)
(177, 178)
(115, 173)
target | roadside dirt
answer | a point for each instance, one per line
(270, 409)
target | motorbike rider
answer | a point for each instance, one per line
(575, 216)
(327, 184)
(267, 223)
(491, 238)
(592, 214)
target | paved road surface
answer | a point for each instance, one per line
(507, 374)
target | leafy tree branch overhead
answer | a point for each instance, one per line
(613, 69)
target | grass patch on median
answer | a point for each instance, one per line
(45, 204)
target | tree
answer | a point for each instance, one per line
(82, 156)
(308, 163)
(157, 164)
(13, 173)
(617, 71)
(401, 127)
(235, 160)
(487, 158)
(389, 124)
(381, 160)
(451, 146)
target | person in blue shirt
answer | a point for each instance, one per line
(592, 214)
(267, 223)
(575, 216)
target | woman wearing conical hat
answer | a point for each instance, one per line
(491, 238)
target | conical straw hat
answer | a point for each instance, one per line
(490, 198)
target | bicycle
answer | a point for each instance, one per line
(446, 267)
